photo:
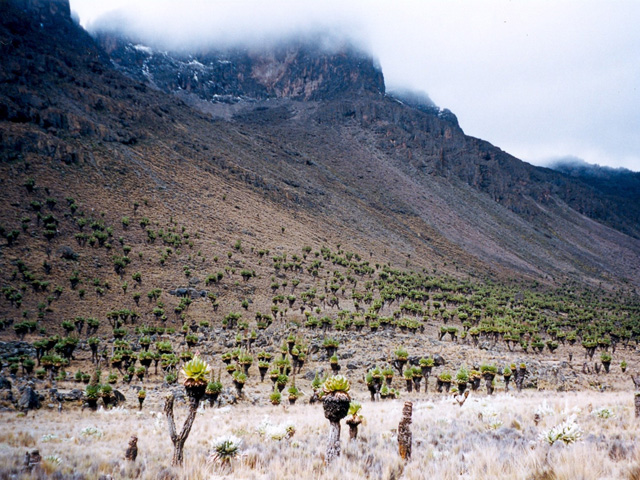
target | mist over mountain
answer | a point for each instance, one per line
(303, 131)
(300, 69)
(579, 168)
(619, 183)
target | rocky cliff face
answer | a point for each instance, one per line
(297, 70)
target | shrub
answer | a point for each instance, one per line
(490, 369)
(275, 398)
(463, 375)
(426, 362)
(401, 354)
(92, 392)
(214, 387)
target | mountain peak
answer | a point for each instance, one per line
(300, 69)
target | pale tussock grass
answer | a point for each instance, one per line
(488, 437)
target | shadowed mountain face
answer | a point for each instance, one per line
(619, 183)
(303, 137)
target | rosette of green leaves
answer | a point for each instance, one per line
(336, 383)
(195, 372)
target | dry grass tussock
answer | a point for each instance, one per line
(488, 437)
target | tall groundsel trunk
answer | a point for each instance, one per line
(336, 407)
(333, 441)
(179, 439)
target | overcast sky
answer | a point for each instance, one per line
(539, 79)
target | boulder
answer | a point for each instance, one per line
(188, 292)
(6, 397)
(74, 395)
(5, 383)
(67, 253)
(16, 349)
(438, 360)
(118, 398)
(29, 400)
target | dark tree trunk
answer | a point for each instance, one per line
(475, 383)
(372, 392)
(353, 427)
(416, 383)
(520, 374)
(488, 378)
(179, 440)
(506, 383)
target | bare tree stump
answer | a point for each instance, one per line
(353, 423)
(462, 397)
(132, 451)
(179, 440)
(32, 462)
(488, 378)
(404, 432)
(521, 373)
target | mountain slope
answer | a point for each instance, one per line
(309, 151)
(222, 82)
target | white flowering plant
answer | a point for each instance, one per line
(567, 432)
(543, 409)
(278, 431)
(604, 412)
(91, 432)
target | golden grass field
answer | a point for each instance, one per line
(487, 438)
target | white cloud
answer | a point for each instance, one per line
(538, 79)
